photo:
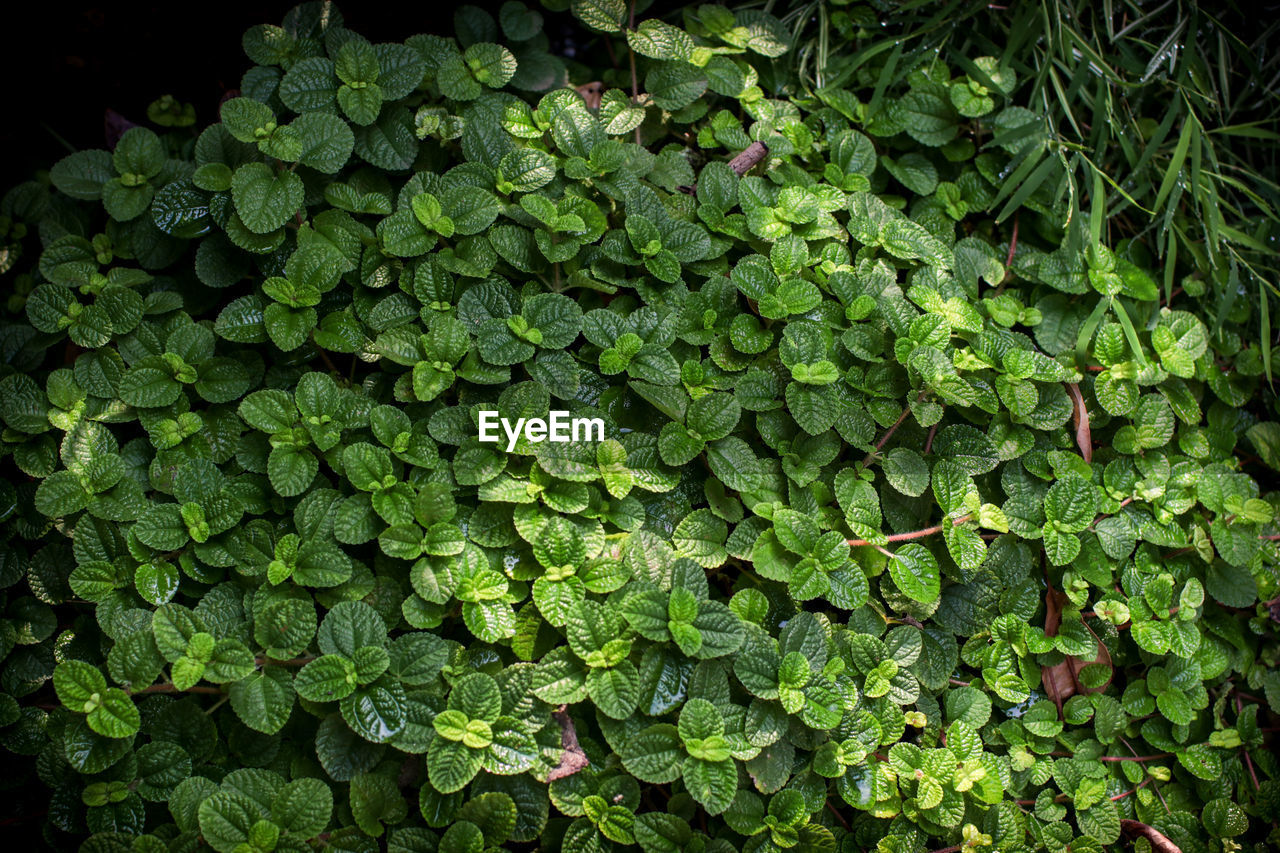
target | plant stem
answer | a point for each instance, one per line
(1013, 243)
(1062, 798)
(631, 54)
(866, 460)
(928, 442)
(831, 808)
(266, 661)
(1140, 785)
(328, 362)
(169, 688)
(914, 534)
(902, 417)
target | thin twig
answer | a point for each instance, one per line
(1013, 243)
(1144, 783)
(831, 808)
(894, 426)
(1062, 798)
(914, 534)
(169, 688)
(631, 54)
(266, 661)
(328, 362)
(1248, 762)
(928, 442)
(741, 163)
(866, 460)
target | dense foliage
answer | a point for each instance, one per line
(1175, 105)
(914, 524)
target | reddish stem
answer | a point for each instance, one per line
(831, 808)
(928, 442)
(866, 460)
(169, 688)
(1013, 243)
(1142, 784)
(1248, 762)
(914, 534)
(1062, 798)
(302, 661)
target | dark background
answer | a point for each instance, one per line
(63, 63)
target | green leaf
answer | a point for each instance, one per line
(603, 15)
(657, 40)
(452, 764)
(711, 783)
(264, 700)
(654, 754)
(328, 678)
(115, 715)
(713, 416)
(915, 572)
(76, 682)
(265, 200)
(1071, 504)
(227, 818)
(700, 536)
(326, 140)
(303, 807)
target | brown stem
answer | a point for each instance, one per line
(169, 688)
(1062, 798)
(748, 157)
(902, 417)
(328, 362)
(914, 534)
(1248, 762)
(1140, 785)
(928, 442)
(635, 79)
(1008, 261)
(613, 57)
(866, 460)
(740, 164)
(831, 808)
(266, 661)
(1013, 243)
(10, 821)
(1090, 614)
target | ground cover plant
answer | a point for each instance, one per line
(926, 516)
